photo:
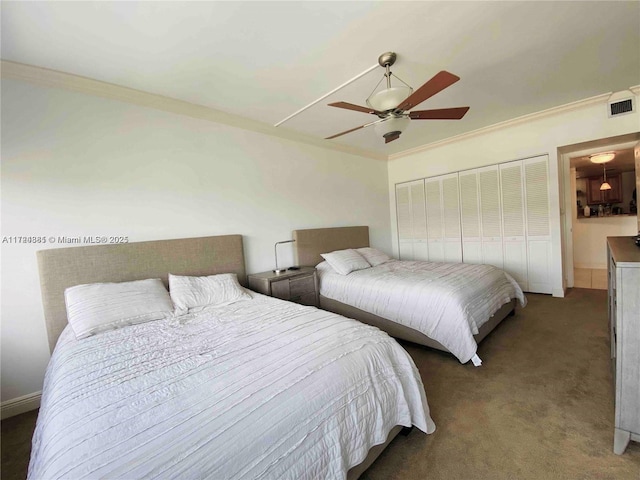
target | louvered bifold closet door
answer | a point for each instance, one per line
(513, 222)
(538, 228)
(435, 220)
(419, 221)
(403, 214)
(470, 217)
(411, 217)
(490, 216)
(451, 214)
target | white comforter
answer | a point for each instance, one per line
(448, 302)
(261, 388)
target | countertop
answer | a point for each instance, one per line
(620, 215)
(624, 251)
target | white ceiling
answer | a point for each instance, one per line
(266, 60)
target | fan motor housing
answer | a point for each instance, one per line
(387, 58)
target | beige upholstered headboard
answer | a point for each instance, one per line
(312, 242)
(61, 268)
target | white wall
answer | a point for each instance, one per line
(590, 238)
(540, 135)
(74, 164)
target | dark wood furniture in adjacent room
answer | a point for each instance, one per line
(596, 196)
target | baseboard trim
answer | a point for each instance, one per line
(590, 266)
(19, 405)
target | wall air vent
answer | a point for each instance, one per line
(621, 103)
(623, 106)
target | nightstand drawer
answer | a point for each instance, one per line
(309, 299)
(301, 286)
(280, 289)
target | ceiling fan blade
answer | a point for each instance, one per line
(344, 133)
(439, 82)
(439, 114)
(391, 138)
(351, 106)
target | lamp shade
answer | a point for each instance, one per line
(389, 98)
(602, 157)
(391, 124)
(605, 186)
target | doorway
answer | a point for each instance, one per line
(592, 214)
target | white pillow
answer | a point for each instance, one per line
(323, 267)
(345, 261)
(374, 256)
(195, 293)
(98, 307)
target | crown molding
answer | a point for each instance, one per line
(510, 123)
(56, 79)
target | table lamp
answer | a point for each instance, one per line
(278, 269)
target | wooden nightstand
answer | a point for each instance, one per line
(300, 286)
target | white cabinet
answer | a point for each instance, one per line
(624, 318)
(497, 215)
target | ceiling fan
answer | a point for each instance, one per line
(392, 104)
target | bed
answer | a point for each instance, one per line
(255, 387)
(413, 301)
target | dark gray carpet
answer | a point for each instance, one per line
(15, 443)
(539, 408)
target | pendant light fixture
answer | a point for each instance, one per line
(605, 185)
(602, 157)
(388, 99)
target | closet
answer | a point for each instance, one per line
(412, 220)
(497, 215)
(443, 218)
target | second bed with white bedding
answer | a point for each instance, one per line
(448, 302)
(260, 388)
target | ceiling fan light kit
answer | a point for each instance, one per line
(391, 127)
(392, 104)
(389, 98)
